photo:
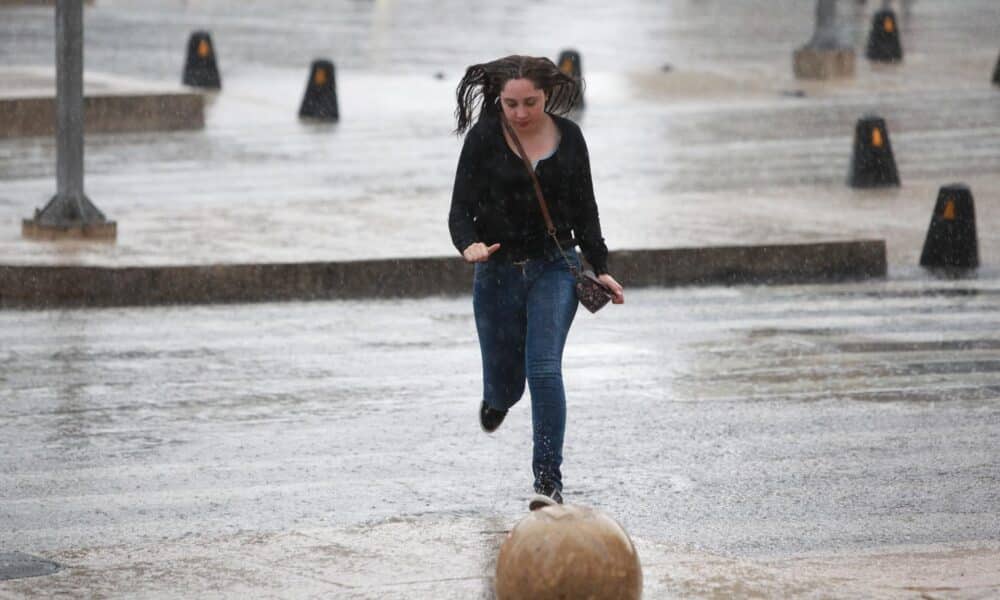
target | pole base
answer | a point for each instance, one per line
(106, 231)
(815, 63)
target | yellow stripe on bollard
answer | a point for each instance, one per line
(877, 137)
(949, 211)
(566, 66)
(320, 78)
(203, 49)
(889, 25)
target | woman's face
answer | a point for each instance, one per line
(523, 104)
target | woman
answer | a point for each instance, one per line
(524, 295)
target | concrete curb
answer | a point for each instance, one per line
(82, 286)
(37, 2)
(107, 113)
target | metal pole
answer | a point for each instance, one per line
(827, 34)
(69, 212)
(69, 101)
(825, 55)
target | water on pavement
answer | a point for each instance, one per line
(713, 151)
(765, 426)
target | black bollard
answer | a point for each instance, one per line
(570, 64)
(320, 100)
(200, 70)
(872, 162)
(883, 41)
(996, 73)
(951, 238)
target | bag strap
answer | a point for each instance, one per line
(538, 191)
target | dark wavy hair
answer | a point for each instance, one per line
(479, 90)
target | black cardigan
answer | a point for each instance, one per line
(494, 199)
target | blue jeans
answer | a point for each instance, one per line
(523, 314)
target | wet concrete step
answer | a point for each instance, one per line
(111, 104)
(47, 287)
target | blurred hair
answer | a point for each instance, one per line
(479, 90)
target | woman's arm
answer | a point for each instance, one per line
(463, 197)
(587, 225)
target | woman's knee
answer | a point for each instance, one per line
(505, 394)
(545, 370)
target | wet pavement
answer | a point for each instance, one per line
(754, 439)
(715, 151)
(814, 441)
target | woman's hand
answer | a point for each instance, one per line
(480, 252)
(614, 287)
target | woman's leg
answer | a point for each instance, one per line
(498, 304)
(551, 307)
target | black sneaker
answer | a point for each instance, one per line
(490, 418)
(543, 497)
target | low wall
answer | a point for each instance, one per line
(37, 2)
(35, 116)
(75, 286)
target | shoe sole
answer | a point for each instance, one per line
(540, 501)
